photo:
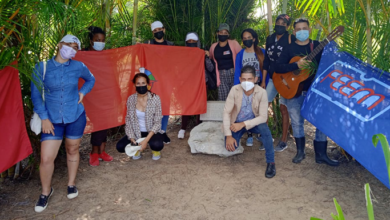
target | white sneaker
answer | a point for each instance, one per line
(43, 201)
(72, 192)
(181, 134)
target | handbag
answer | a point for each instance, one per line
(36, 122)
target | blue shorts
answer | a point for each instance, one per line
(272, 92)
(74, 130)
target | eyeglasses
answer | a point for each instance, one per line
(301, 19)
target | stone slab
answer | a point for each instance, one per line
(208, 138)
(214, 111)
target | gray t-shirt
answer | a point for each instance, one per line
(251, 60)
(246, 112)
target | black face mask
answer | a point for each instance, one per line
(141, 89)
(159, 35)
(279, 29)
(223, 38)
(248, 43)
(192, 44)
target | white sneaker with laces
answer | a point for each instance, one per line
(181, 134)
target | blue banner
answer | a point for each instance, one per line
(350, 101)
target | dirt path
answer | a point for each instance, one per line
(186, 186)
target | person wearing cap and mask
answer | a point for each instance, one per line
(192, 40)
(224, 54)
(303, 46)
(158, 30)
(62, 112)
(246, 109)
(97, 39)
(275, 44)
(252, 55)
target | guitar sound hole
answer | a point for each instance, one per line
(296, 72)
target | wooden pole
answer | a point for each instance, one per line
(135, 16)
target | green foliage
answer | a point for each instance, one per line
(340, 213)
(385, 147)
(370, 208)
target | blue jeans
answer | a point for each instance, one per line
(266, 137)
(164, 123)
(294, 106)
(272, 92)
(74, 130)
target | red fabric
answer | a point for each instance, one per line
(15, 144)
(177, 76)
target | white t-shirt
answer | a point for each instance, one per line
(141, 120)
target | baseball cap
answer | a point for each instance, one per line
(224, 26)
(191, 36)
(71, 39)
(156, 24)
(285, 18)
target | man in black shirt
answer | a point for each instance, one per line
(275, 44)
(158, 30)
(302, 47)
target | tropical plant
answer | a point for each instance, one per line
(340, 213)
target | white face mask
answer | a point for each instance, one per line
(98, 45)
(246, 85)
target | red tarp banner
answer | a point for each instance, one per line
(176, 74)
(15, 144)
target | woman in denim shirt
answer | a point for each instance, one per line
(61, 112)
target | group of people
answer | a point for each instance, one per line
(243, 77)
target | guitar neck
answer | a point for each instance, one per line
(316, 50)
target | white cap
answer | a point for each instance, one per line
(71, 39)
(191, 36)
(156, 24)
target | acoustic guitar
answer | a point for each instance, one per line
(290, 84)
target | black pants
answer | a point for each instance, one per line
(156, 142)
(98, 137)
(185, 120)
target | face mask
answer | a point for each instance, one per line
(98, 45)
(246, 85)
(192, 44)
(248, 43)
(279, 29)
(141, 89)
(223, 38)
(159, 35)
(302, 35)
(67, 52)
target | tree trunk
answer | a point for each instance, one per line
(369, 41)
(269, 15)
(284, 9)
(135, 16)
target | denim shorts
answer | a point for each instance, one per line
(74, 130)
(272, 92)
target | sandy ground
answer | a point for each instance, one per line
(185, 186)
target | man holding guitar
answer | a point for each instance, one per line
(293, 77)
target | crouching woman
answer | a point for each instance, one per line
(143, 119)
